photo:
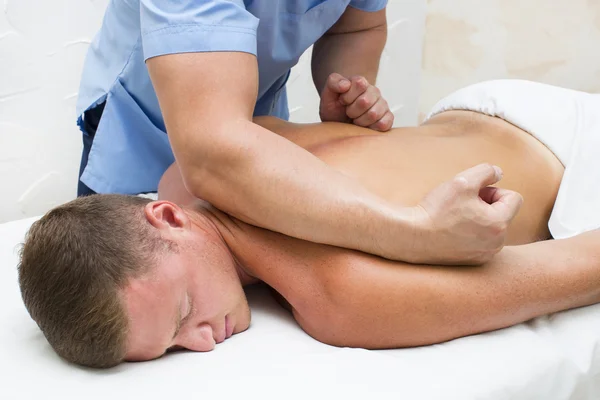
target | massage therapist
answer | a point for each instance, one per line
(200, 69)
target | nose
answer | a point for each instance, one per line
(197, 338)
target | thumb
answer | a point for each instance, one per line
(480, 176)
(331, 109)
(336, 84)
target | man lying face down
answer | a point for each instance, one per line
(110, 278)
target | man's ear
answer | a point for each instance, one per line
(164, 214)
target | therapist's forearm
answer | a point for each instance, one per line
(348, 54)
(267, 181)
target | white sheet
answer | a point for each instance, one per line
(550, 358)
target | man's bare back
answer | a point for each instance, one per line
(402, 166)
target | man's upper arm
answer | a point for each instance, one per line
(371, 303)
(377, 303)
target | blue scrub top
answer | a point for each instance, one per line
(131, 150)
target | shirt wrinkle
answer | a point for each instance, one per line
(207, 27)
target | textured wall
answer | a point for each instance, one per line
(468, 41)
(42, 47)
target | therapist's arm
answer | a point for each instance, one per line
(352, 46)
(345, 62)
(207, 100)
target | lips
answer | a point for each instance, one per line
(219, 335)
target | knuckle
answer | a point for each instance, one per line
(372, 114)
(459, 183)
(362, 83)
(498, 229)
(353, 112)
(382, 124)
(363, 101)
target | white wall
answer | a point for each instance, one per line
(550, 41)
(42, 47)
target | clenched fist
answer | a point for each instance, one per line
(354, 100)
(464, 220)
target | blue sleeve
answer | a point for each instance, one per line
(189, 26)
(368, 5)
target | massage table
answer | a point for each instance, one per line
(554, 357)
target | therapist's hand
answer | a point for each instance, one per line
(465, 220)
(354, 100)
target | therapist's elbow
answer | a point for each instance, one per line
(211, 172)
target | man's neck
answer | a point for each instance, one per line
(261, 255)
(232, 235)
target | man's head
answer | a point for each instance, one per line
(108, 277)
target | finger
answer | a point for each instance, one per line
(337, 83)
(363, 103)
(373, 114)
(506, 204)
(330, 108)
(480, 176)
(384, 124)
(359, 85)
(489, 194)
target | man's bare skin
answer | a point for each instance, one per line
(348, 298)
(403, 165)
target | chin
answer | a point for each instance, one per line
(245, 326)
